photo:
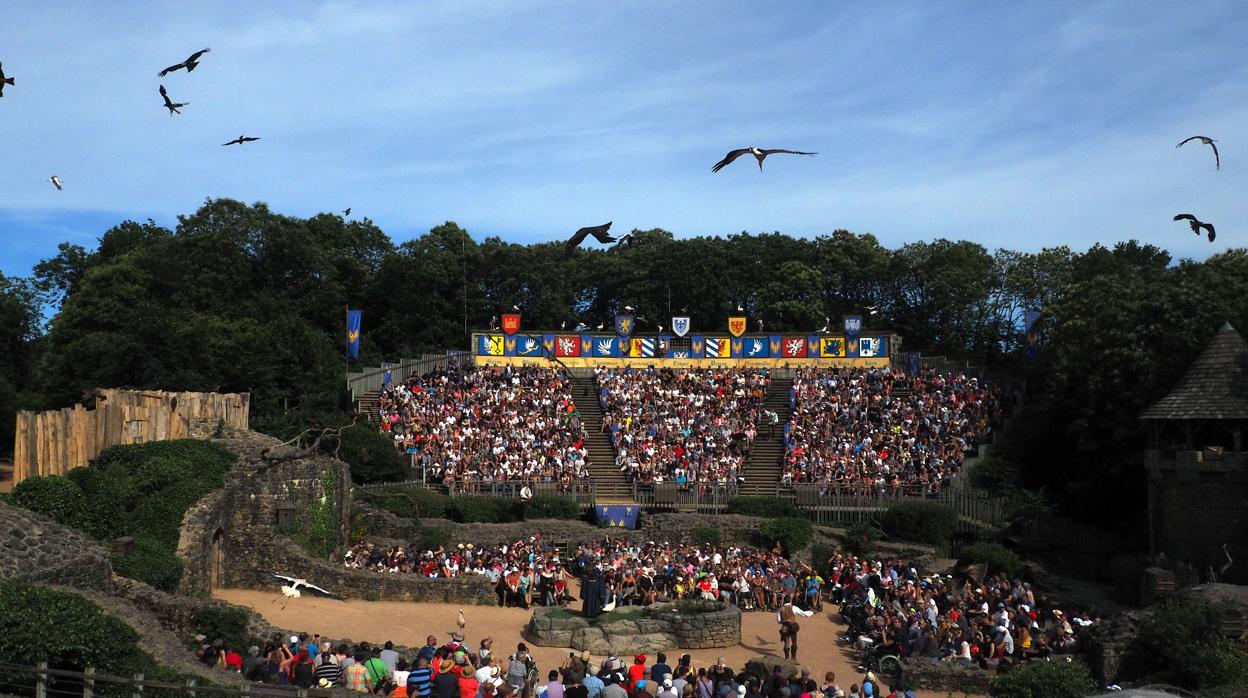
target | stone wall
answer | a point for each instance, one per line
(660, 628)
(1196, 504)
(38, 549)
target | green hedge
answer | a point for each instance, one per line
(225, 623)
(552, 507)
(707, 535)
(920, 521)
(407, 502)
(792, 533)
(1185, 637)
(142, 490)
(485, 510)
(38, 624)
(766, 507)
(1045, 680)
(413, 502)
(997, 557)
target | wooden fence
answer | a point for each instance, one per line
(43, 682)
(57, 441)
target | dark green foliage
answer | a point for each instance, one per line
(151, 561)
(920, 521)
(766, 507)
(65, 630)
(861, 537)
(997, 557)
(706, 535)
(1184, 640)
(318, 525)
(1045, 680)
(552, 507)
(434, 535)
(221, 622)
(410, 502)
(55, 497)
(484, 510)
(371, 455)
(792, 533)
(141, 490)
(820, 553)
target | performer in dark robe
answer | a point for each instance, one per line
(592, 593)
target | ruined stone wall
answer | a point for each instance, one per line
(1196, 504)
(661, 628)
(38, 549)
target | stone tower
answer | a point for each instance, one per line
(1197, 466)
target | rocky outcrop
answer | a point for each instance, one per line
(38, 549)
(657, 628)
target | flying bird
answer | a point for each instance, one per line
(56, 181)
(599, 232)
(871, 309)
(628, 308)
(189, 63)
(514, 306)
(347, 212)
(240, 140)
(1217, 161)
(1197, 225)
(3, 80)
(758, 153)
(293, 588)
(626, 240)
(460, 620)
(170, 104)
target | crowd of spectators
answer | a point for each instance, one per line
(479, 425)
(894, 610)
(688, 426)
(881, 430)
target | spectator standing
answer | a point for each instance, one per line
(420, 679)
(355, 677)
(388, 656)
(660, 668)
(592, 684)
(327, 668)
(554, 687)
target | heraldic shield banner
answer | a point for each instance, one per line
(736, 325)
(624, 325)
(511, 323)
(680, 325)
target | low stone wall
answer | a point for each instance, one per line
(946, 676)
(36, 548)
(661, 628)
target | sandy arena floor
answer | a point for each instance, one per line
(408, 624)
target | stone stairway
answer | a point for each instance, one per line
(763, 471)
(610, 485)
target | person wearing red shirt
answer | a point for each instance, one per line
(636, 672)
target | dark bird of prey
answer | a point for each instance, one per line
(758, 153)
(240, 140)
(1217, 161)
(170, 104)
(56, 181)
(827, 322)
(347, 212)
(3, 80)
(599, 232)
(1197, 225)
(189, 63)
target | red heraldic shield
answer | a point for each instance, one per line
(511, 323)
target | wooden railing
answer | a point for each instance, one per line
(42, 682)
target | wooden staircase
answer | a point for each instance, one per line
(610, 485)
(762, 473)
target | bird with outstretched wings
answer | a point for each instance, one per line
(293, 588)
(598, 231)
(56, 182)
(4, 80)
(171, 105)
(1217, 160)
(190, 63)
(240, 140)
(759, 153)
(1197, 225)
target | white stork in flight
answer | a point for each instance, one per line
(293, 588)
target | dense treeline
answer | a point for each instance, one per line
(240, 298)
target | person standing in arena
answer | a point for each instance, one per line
(787, 618)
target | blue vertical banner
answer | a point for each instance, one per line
(1031, 335)
(353, 332)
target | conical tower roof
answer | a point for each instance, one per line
(1215, 385)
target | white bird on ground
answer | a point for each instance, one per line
(740, 309)
(460, 620)
(827, 322)
(56, 181)
(602, 325)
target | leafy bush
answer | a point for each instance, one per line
(860, 539)
(1045, 680)
(766, 507)
(104, 516)
(434, 536)
(412, 502)
(1186, 637)
(792, 533)
(152, 562)
(552, 507)
(484, 510)
(159, 517)
(706, 535)
(39, 624)
(997, 557)
(371, 455)
(56, 497)
(920, 521)
(220, 622)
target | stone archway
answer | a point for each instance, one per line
(216, 560)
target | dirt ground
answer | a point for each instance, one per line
(408, 623)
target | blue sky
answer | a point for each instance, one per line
(1016, 125)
